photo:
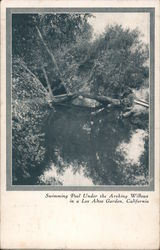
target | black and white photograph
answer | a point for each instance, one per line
(80, 127)
(80, 98)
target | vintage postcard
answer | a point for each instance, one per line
(80, 98)
(80, 102)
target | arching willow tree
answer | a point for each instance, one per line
(57, 64)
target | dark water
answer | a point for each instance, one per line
(82, 142)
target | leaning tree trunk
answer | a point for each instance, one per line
(52, 57)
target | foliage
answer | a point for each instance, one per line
(28, 138)
(67, 37)
(119, 59)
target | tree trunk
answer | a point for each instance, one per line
(48, 83)
(52, 57)
(101, 99)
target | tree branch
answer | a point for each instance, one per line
(141, 103)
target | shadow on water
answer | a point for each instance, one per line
(78, 138)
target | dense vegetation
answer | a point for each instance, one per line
(55, 54)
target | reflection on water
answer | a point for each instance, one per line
(68, 178)
(133, 150)
(86, 147)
